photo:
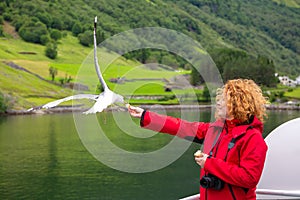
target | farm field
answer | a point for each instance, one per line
(75, 61)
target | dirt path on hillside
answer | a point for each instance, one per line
(9, 29)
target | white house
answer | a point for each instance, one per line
(285, 80)
(298, 80)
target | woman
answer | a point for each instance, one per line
(234, 149)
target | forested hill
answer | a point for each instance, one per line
(259, 27)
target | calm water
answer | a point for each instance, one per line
(42, 157)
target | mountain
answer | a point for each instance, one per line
(259, 27)
(262, 29)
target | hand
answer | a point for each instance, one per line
(135, 111)
(200, 160)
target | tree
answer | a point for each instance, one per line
(77, 28)
(33, 31)
(266, 74)
(195, 77)
(238, 64)
(2, 7)
(3, 103)
(206, 94)
(86, 38)
(45, 39)
(100, 36)
(55, 34)
(52, 72)
(45, 18)
(1, 31)
(51, 50)
(143, 55)
(57, 23)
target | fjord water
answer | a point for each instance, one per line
(42, 157)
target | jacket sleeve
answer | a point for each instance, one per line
(248, 172)
(194, 131)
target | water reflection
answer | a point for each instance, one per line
(2, 119)
(278, 117)
(42, 157)
(52, 173)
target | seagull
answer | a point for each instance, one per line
(103, 100)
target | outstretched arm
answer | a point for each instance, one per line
(194, 131)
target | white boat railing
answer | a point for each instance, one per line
(290, 193)
(193, 197)
(286, 193)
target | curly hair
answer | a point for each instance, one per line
(240, 99)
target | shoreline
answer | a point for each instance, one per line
(75, 109)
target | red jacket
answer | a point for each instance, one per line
(239, 166)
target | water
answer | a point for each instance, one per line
(42, 157)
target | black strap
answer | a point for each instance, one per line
(232, 142)
(230, 146)
(215, 141)
(231, 191)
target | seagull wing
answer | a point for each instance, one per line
(59, 101)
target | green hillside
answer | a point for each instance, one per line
(261, 28)
(25, 90)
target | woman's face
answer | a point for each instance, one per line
(221, 107)
(223, 110)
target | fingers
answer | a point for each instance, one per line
(198, 160)
(201, 160)
(135, 111)
(198, 153)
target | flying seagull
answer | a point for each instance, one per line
(103, 100)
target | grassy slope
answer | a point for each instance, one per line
(25, 89)
(290, 3)
(73, 60)
(293, 94)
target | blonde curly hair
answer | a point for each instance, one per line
(240, 99)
